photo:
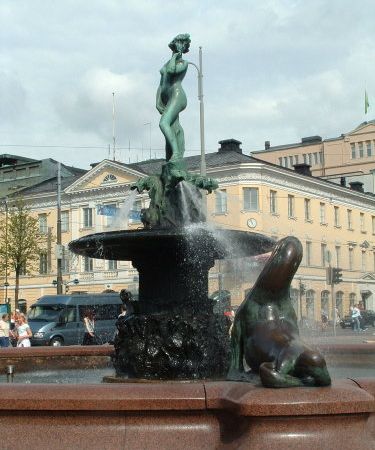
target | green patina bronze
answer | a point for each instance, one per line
(163, 189)
(265, 332)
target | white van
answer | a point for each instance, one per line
(58, 319)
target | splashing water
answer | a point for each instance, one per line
(191, 200)
(121, 218)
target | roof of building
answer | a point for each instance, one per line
(10, 160)
(310, 140)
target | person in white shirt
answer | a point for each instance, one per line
(356, 314)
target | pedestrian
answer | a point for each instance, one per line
(355, 314)
(89, 324)
(324, 318)
(4, 331)
(24, 332)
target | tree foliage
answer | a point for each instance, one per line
(20, 242)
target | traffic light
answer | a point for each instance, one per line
(336, 275)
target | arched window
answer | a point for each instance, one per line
(310, 300)
(110, 178)
(339, 303)
(324, 302)
(352, 299)
(294, 299)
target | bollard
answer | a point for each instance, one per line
(10, 373)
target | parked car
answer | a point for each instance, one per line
(58, 319)
(367, 319)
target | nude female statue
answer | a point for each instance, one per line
(171, 98)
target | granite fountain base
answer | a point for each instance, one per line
(180, 415)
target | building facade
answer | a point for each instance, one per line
(344, 159)
(335, 224)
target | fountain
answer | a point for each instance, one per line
(172, 354)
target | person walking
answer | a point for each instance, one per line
(89, 324)
(24, 332)
(356, 314)
(4, 331)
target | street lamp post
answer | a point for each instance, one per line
(201, 111)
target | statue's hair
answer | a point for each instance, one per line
(179, 37)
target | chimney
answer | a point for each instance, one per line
(303, 169)
(230, 145)
(356, 186)
(342, 181)
(267, 145)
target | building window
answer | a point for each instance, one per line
(250, 199)
(87, 217)
(273, 202)
(352, 146)
(291, 206)
(42, 219)
(339, 303)
(350, 219)
(363, 261)
(285, 161)
(8, 175)
(280, 161)
(338, 256)
(88, 265)
(296, 159)
(315, 158)
(323, 254)
(221, 201)
(308, 253)
(64, 221)
(65, 262)
(112, 265)
(20, 173)
(310, 300)
(351, 257)
(304, 156)
(294, 299)
(337, 216)
(373, 224)
(307, 209)
(368, 148)
(321, 157)
(110, 178)
(362, 222)
(360, 149)
(291, 161)
(322, 213)
(352, 299)
(43, 263)
(324, 302)
(33, 171)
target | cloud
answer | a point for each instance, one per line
(273, 70)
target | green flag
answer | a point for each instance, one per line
(367, 104)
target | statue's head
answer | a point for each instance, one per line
(180, 43)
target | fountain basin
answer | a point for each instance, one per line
(200, 415)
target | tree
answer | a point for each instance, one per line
(20, 242)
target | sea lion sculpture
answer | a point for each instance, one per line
(265, 331)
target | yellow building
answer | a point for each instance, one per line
(347, 158)
(254, 195)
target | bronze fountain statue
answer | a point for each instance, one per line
(173, 332)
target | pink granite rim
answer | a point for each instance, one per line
(243, 399)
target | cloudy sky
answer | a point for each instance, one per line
(273, 70)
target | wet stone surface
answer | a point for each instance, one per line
(167, 346)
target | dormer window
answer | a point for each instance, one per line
(109, 179)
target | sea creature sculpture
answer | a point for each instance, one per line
(265, 332)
